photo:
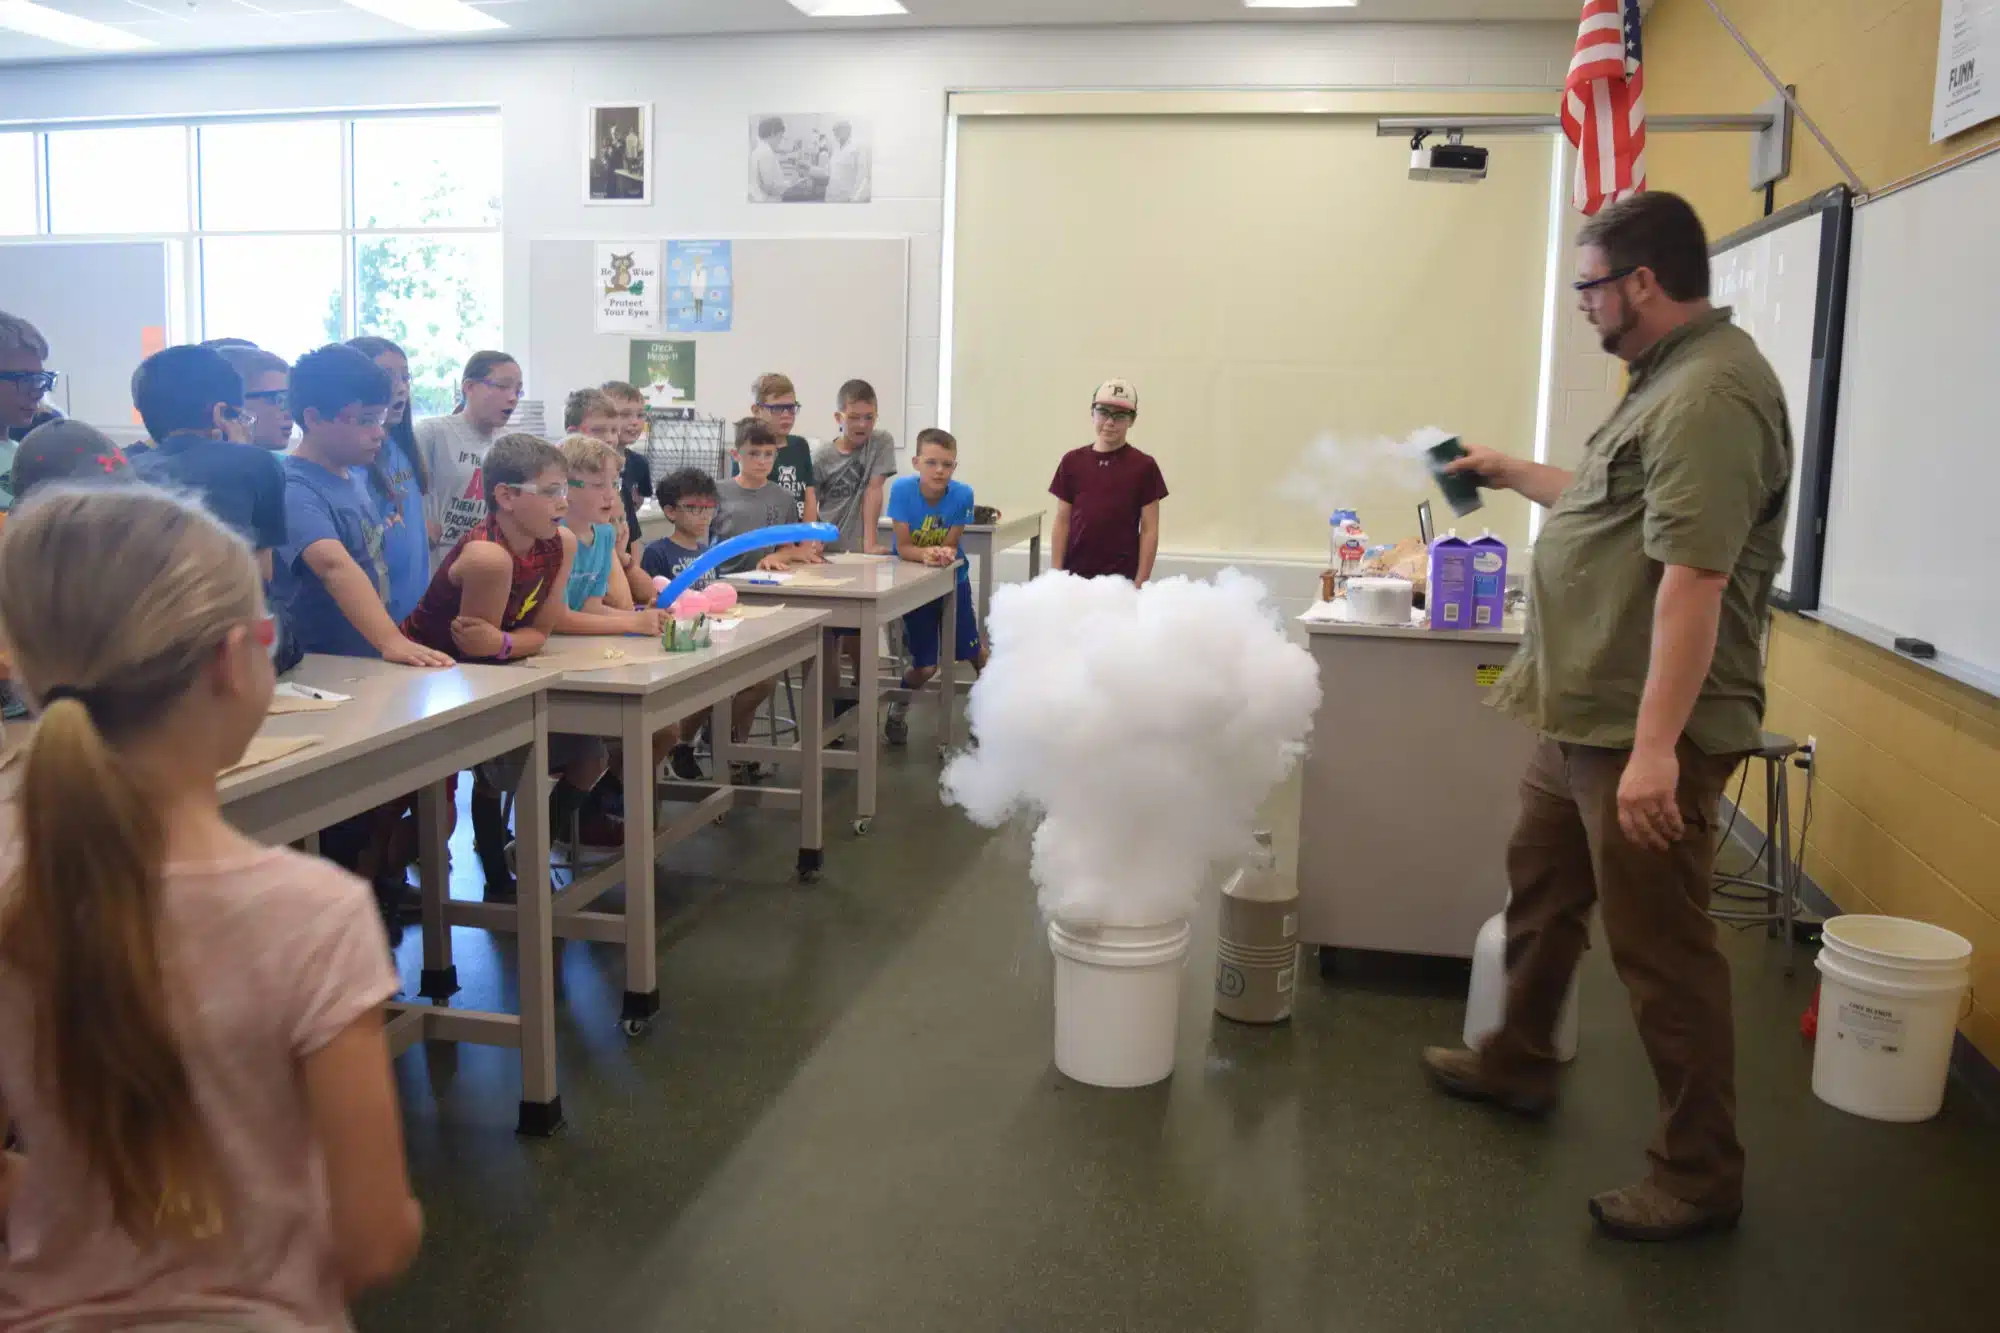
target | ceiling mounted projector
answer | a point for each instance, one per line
(1453, 162)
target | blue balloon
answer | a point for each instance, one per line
(785, 534)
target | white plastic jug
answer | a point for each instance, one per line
(1486, 1001)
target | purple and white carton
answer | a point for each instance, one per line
(1489, 582)
(1449, 594)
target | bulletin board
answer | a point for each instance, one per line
(95, 302)
(822, 310)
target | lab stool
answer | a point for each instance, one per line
(1771, 875)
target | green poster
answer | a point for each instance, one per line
(663, 370)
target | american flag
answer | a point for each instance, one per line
(1604, 105)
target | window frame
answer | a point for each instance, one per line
(186, 307)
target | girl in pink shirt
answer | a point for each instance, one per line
(191, 1042)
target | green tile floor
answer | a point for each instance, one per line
(847, 1119)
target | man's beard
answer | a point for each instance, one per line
(1610, 338)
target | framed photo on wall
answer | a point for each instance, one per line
(618, 153)
(811, 158)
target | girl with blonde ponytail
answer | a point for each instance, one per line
(190, 1035)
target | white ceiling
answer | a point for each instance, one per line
(234, 25)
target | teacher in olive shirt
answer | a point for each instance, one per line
(1648, 593)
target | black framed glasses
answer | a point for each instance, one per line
(1114, 413)
(780, 408)
(1592, 284)
(275, 397)
(40, 381)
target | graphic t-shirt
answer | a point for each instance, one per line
(534, 576)
(323, 505)
(666, 558)
(931, 521)
(590, 571)
(740, 509)
(842, 480)
(454, 452)
(1106, 494)
(794, 471)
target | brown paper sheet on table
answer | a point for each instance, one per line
(265, 749)
(856, 558)
(281, 704)
(603, 656)
(747, 611)
(802, 578)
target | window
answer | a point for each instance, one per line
(281, 292)
(436, 296)
(270, 176)
(17, 185)
(292, 233)
(441, 171)
(130, 179)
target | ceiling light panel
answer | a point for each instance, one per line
(848, 9)
(431, 15)
(53, 25)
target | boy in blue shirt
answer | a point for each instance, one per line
(930, 512)
(332, 577)
(688, 498)
(191, 400)
(602, 594)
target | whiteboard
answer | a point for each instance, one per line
(1785, 278)
(94, 301)
(823, 310)
(1916, 465)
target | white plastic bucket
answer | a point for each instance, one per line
(1891, 994)
(1486, 999)
(1118, 1001)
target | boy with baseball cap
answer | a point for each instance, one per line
(1108, 496)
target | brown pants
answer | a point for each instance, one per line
(1567, 853)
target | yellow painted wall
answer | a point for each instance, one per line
(1907, 816)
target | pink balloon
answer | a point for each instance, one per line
(689, 605)
(660, 582)
(720, 597)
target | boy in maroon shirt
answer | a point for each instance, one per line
(1108, 496)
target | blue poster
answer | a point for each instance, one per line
(701, 287)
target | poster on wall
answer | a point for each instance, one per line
(1968, 84)
(618, 153)
(663, 370)
(701, 287)
(628, 288)
(811, 158)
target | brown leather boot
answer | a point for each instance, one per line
(1457, 1073)
(1647, 1212)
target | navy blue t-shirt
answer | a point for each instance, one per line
(326, 506)
(665, 557)
(242, 485)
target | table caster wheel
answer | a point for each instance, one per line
(810, 861)
(635, 1027)
(861, 827)
(721, 819)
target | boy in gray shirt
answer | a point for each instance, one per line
(751, 500)
(852, 471)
